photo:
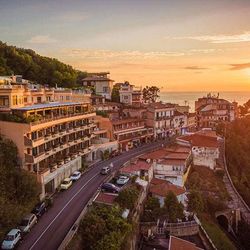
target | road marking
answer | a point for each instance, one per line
(62, 210)
(116, 160)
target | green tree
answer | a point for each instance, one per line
(150, 94)
(152, 203)
(103, 228)
(127, 198)
(115, 95)
(195, 202)
(18, 188)
(40, 69)
(174, 208)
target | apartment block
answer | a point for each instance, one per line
(159, 117)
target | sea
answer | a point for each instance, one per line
(189, 98)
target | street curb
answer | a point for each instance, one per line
(74, 227)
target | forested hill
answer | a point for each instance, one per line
(40, 69)
(238, 155)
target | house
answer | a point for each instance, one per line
(174, 166)
(129, 95)
(211, 110)
(176, 243)
(101, 83)
(140, 168)
(205, 147)
(159, 188)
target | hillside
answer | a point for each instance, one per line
(238, 155)
(40, 69)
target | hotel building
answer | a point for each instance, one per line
(52, 139)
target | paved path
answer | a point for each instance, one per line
(236, 201)
(55, 224)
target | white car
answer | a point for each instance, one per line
(28, 222)
(11, 239)
(76, 176)
(122, 180)
(66, 184)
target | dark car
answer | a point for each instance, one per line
(40, 209)
(109, 187)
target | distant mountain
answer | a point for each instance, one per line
(40, 69)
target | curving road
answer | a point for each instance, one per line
(55, 224)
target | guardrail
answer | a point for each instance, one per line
(204, 231)
(231, 182)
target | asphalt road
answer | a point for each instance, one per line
(53, 226)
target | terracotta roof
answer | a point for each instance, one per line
(177, 156)
(178, 149)
(180, 244)
(139, 165)
(106, 198)
(163, 188)
(200, 140)
(177, 113)
(156, 181)
(174, 162)
(207, 132)
(155, 155)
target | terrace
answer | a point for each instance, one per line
(41, 113)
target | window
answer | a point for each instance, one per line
(39, 99)
(4, 101)
(105, 89)
(14, 100)
(67, 97)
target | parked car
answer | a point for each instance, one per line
(40, 209)
(66, 184)
(28, 222)
(122, 180)
(76, 176)
(109, 187)
(105, 170)
(11, 239)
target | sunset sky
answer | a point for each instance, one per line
(179, 45)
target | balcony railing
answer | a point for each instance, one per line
(54, 118)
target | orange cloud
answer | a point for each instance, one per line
(240, 66)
